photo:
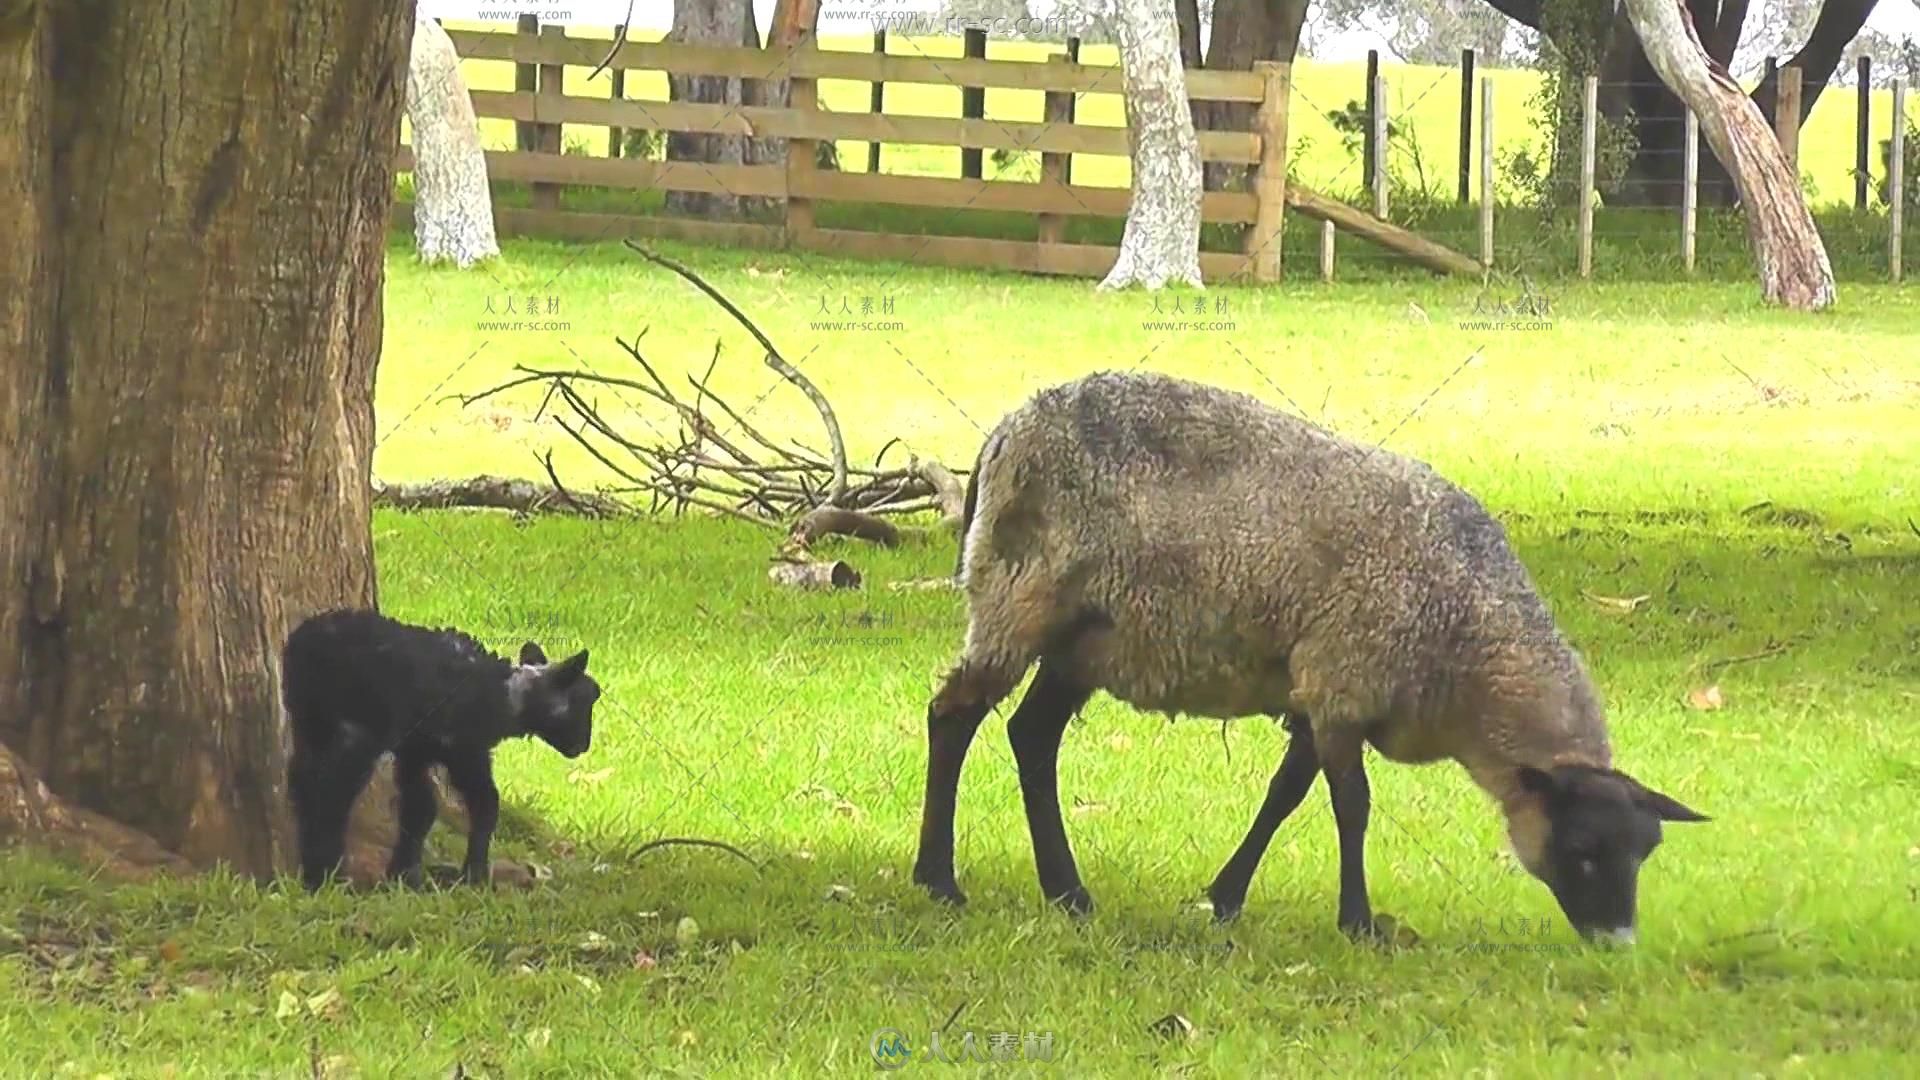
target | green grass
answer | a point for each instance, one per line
(1620, 447)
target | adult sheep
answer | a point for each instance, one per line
(1190, 550)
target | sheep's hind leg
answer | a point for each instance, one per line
(1035, 730)
(418, 808)
(953, 716)
(322, 785)
(1290, 784)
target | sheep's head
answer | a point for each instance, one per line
(1593, 830)
(554, 701)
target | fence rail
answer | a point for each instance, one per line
(539, 107)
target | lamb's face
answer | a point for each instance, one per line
(1600, 827)
(555, 701)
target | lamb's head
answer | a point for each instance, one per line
(554, 702)
(1585, 834)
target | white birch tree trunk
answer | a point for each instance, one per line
(1161, 244)
(1786, 246)
(452, 205)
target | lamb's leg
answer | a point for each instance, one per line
(953, 716)
(418, 808)
(322, 787)
(471, 774)
(1035, 730)
(1352, 804)
(1290, 783)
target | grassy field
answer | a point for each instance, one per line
(1752, 474)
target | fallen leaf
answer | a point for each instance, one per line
(686, 1038)
(1120, 741)
(587, 981)
(327, 1003)
(1172, 1026)
(595, 941)
(538, 1038)
(1623, 604)
(1296, 970)
(839, 892)
(590, 779)
(1706, 698)
(170, 951)
(687, 933)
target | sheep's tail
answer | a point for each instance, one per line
(971, 504)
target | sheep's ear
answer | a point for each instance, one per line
(1539, 782)
(1669, 808)
(566, 671)
(531, 655)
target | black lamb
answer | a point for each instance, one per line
(358, 685)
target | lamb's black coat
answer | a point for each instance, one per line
(357, 685)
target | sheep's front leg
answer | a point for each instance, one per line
(1290, 783)
(1340, 759)
(471, 774)
(1035, 730)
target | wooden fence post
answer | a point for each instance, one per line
(877, 103)
(526, 80)
(1786, 116)
(1466, 126)
(546, 196)
(1690, 191)
(617, 136)
(1380, 170)
(802, 93)
(1897, 177)
(1589, 110)
(1053, 166)
(1862, 133)
(1486, 175)
(1326, 250)
(1262, 245)
(1073, 49)
(1367, 149)
(973, 104)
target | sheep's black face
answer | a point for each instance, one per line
(555, 701)
(1603, 825)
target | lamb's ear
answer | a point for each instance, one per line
(1669, 808)
(1538, 782)
(531, 655)
(564, 672)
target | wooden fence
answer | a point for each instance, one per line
(799, 184)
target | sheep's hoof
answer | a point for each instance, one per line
(1076, 901)
(1226, 908)
(946, 892)
(1380, 929)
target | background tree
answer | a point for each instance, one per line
(452, 204)
(1786, 247)
(719, 22)
(190, 315)
(1245, 31)
(1161, 242)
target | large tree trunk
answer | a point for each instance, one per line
(1161, 243)
(190, 315)
(1245, 31)
(1786, 246)
(719, 22)
(452, 205)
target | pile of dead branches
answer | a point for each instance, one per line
(720, 462)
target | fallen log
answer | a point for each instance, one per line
(495, 493)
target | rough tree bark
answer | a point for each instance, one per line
(1786, 246)
(190, 313)
(719, 22)
(1161, 243)
(1245, 31)
(452, 205)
